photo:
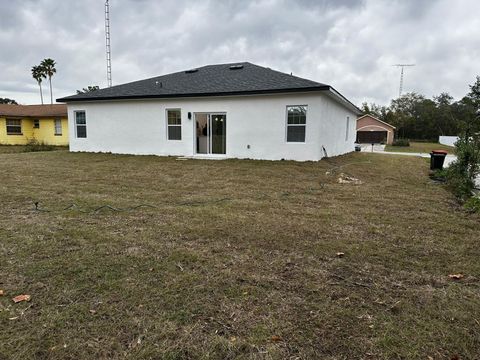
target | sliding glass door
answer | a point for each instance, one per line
(211, 131)
(219, 126)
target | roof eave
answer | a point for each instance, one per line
(190, 95)
(343, 100)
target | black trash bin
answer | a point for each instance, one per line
(437, 158)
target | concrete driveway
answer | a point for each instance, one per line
(375, 148)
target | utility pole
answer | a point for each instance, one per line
(401, 66)
(107, 44)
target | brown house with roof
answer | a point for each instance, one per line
(20, 124)
(371, 130)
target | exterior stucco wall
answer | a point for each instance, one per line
(368, 123)
(16, 139)
(45, 134)
(256, 126)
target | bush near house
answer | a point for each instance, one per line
(34, 145)
(461, 173)
(401, 142)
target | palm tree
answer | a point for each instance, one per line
(48, 67)
(38, 74)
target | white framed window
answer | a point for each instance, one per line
(174, 124)
(296, 123)
(14, 127)
(58, 127)
(80, 124)
(347, 131)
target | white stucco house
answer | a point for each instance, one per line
(236, 110)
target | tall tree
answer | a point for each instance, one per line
(88, 89)
(404, 111)
(8, 101)
(48, 66)
(446, 120)
(375, 110)
(38, 74)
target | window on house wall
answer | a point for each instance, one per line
(36, 124)
(296, 123)
(14, 127)
(58, 127)
(174, 124)
(80, 124)
(348, 128)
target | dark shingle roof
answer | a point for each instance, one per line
(210, 80)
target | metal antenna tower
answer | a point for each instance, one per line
(401, 76)
(107, 44)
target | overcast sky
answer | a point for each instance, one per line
(348, 44)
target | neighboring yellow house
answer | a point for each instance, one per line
(20, 124)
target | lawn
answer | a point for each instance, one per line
(420, 147)
(234, 260)
(9, 149)
(12, 149)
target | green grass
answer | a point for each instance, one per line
(237, 260)
(420, 147)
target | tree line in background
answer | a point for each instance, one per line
(45, 69)
(8, 101)
(420, 118)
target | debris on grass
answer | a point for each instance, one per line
(1, 292)
(275, 338)
(347, 179)
(178, 265)
(456, 276)
(340, 254)
(20, 298)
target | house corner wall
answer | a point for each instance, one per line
(256, 126)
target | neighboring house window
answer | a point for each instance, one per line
(80, 124)
(348, 128)
(296, 123)
(36, 124)
(58, 127)
(174, 125)
(14, 127)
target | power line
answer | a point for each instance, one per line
(401, 66)
(107, 44)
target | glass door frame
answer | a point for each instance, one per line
(209, 133)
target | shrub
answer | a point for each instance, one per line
(401, 142)
(439, 175)
(462, 172)
(473, 204)
(34, 145)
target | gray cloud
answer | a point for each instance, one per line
(348, 44)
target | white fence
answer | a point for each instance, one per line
(448, 140)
